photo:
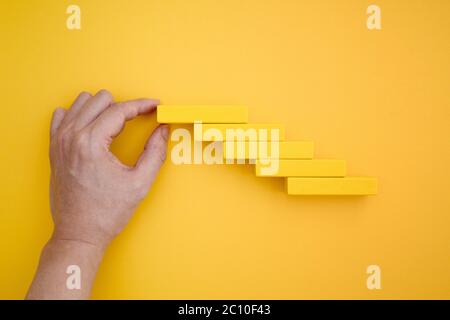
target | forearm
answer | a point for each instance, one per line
(55, 279)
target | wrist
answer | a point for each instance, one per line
(81, 235)
(60, 242)
(61, 259)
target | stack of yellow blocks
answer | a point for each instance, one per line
(303, 174)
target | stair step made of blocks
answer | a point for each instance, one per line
(242, 132)
(204, 114)
(287, 150)
(332, 186)
(302, 168)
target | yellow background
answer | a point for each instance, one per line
(379, 99)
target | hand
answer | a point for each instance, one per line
(92, 194)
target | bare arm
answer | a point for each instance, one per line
(92, 194)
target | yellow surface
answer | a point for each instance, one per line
(379, 99)
(205, 114)
(247, 131)
(287, 150)
(306, 168)
(332, 186)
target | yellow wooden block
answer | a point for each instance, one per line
(303, 168)
(286, 150)
(205, 114)
(332, 186)
(243, 132)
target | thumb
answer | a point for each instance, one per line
(154, 153)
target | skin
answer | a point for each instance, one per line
(92, 194)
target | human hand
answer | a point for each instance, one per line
(93, 194)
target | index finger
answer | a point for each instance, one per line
(112, 120)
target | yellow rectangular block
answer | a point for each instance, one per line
(332, 186)
(287, 150)
(244, 132)
(205, 114)
(304, 168)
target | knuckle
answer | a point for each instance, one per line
(85, 94)
(63, 137)
(60, 144)
(58, 111)
(81, 144)
(117, 112)
(106, 94)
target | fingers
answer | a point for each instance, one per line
(93, 108)
(111, 121)
(154, 153)
(57, 118)
(76, 107)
